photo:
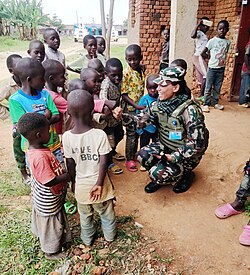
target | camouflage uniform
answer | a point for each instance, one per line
(186, 152)
(244, 190)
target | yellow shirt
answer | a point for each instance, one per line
(133, 85)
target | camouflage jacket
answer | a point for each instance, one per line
(188, 121)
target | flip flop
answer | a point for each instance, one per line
(131, 166)
(118, 157)
(245, 236)
(69, 208)
(115, 169)
(226, 211)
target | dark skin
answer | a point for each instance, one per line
(82, 117)
(221, 33)
(53, 40)
(36, 140)
(11, 70)
(37, 51)
(200, 26)
(133, 59)
(101, 45)
(56, 79)
(114, 74)
(31, 85)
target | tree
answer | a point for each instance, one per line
(56, 22)
(23, 15)
(110, 24)
(103, 19)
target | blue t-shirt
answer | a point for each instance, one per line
(146, 100)
(21, 103)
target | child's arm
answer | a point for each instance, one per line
(247, 58)
(54, 119)
(128, 100)
(205, 53)
(58, 179)
(194, 32)
(71, 167)
(96, 191)
(78, 71)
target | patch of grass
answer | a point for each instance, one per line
(20, 251)
(11, 44)
(118, 51)
(11, 184)
(247, 207)
(3, 208)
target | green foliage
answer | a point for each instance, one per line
(11, 44)
(247, 208)
(19, 249)
(11, 184)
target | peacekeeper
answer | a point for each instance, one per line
(183, 136)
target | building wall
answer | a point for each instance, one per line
(149, 17)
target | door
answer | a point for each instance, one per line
(243, 37)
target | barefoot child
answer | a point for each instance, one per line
(52, 39)
(86, 150)
(238, 206)
(49, 180)
(111, 90)
(36, 50)
(132, 90)
(218, 48)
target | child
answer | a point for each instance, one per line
(90, 44)
(55, 77)
(76, 84)
(97, 65)
(218, 48)
(199, 34)
(49, 221)
(52, 39)
(9, 89)
(5, 93)
(165, 50)
(245, 78)
(238, 206)
(183, 64)
(132, 90)
(111, 90)
(149, 132)
(101, 47)
(86, 150)
(91, 79)
(31, 98)
(36, 50)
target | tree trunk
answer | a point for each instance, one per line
(110, 24)
(103, 19)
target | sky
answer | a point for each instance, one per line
(87, 10)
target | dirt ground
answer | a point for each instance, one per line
(185, 223)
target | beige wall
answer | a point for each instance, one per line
(183, 20)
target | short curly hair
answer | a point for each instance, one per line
(30, 122)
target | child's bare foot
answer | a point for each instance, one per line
(55, 256)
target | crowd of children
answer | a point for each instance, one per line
(91, 120)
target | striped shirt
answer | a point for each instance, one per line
(44, 168)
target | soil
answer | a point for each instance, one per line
(185, 223)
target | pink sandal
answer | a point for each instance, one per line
(226, 211)
(131, 166)
(245, 236)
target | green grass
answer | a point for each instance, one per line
(118, 51)
(12, 44)
(20, 251)
(11, 184)
(247, 208)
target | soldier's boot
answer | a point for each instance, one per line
(185, 183)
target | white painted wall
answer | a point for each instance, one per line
(183, 21)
